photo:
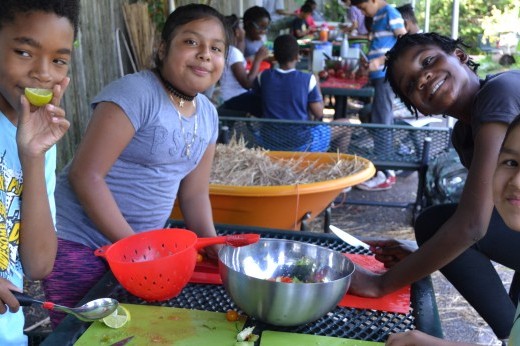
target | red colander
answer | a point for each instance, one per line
(156, 265)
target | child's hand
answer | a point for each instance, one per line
(389, 252)
(7, 299)
(211, 252)
(262, 53)
(40, 128)
(374, 64)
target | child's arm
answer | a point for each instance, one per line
(315, 99)
(245, 78)
(36, 133)
(468, 224)
(107, 135)
(316, 109)
(194, 200)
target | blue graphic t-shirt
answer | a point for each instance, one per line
(11, 183)
(386, 21)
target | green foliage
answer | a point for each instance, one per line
(473, 17)
(333, 11)
(158, 13)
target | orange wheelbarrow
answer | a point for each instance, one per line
(284, 206)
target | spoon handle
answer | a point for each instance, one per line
(25, 300)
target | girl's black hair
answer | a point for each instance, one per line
(184, 15)
(232, 24)
(447, 44)
(255, 13)
(306, 8)
(62, 8)
(513, 125)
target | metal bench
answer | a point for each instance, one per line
(396, 147)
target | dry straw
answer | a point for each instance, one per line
(237, 165)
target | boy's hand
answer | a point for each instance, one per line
(7, 299)
(39, 128)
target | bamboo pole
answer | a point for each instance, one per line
(141, 32)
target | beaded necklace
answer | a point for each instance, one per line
(175, 92)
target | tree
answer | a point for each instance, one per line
(477, 17)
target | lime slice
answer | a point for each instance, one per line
(118, 318)
(38, 97)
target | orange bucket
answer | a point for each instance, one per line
(283, 206)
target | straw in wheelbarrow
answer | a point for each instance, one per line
(237, 165)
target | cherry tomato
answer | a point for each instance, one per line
(232, 315)
(200, 258)
(286, 279)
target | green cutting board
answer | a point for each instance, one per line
(152, 325)
(271, 338)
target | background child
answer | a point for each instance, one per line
(151, 139)
(386, 27)
(299, 26)
(33, 55)
(433, 74)
(410, 21)
(289, 94)
(236, 81)
(311, 24)
(506, 184)
(256, 23)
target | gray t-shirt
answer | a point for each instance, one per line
(498, 100)
(145, 178)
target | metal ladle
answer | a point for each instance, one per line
(88, 312)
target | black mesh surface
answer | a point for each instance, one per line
(398, 144)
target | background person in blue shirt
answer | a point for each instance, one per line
(289, 94)
(387, 25)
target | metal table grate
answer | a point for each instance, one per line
(370, 325)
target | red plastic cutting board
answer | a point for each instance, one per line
(398, 301)
(207, 272)
(271, 338)
(157, 325)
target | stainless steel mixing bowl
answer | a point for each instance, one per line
(248, 272)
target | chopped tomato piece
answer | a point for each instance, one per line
(232, 315)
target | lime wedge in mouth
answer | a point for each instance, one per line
(38, 97)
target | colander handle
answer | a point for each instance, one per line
(102, 251)
(233, 240)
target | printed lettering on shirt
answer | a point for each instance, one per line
(10, 194)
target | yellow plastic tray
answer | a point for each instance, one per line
(281, 206)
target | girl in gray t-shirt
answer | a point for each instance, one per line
(151, 138)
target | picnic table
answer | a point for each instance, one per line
(342, 88)
(197, 301)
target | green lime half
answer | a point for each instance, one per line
(38, 97)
